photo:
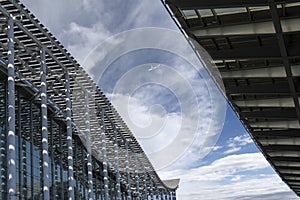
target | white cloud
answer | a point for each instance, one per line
(242, 140)
(236, 143)
(231, 177)
(227, 167)
(84, 39)
(236, 178)
(232, 150)
(215, 148)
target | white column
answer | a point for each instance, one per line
(11, 137)
(127, 171)
(116, 149)
(137, 183)
(88, 146)
(69, 138)
(105, 172)
(44, 115)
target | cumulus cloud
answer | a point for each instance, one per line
(236, 143)
(232, 177)
(82, 25)
(224, 168)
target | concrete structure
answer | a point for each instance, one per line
(60, 138)
(256, 46)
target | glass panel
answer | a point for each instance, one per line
(205, 13)
(37, 158)
(292, 4)
(258, 8)
(188, 14)
(228, 11)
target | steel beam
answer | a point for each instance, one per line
(69, 137)
(274, 88)
(255, 73)
(278, 102)
(277, 133)
(290, 171)
(259, 28)
(280, 141)
(284, 153)
(284, 53)
(252, 52)
(208, 4)
(255, 52)
(290, 177)
(179, 16)
(283, 124)
(288, 113)
(287, 164)
(267, 71)
(11, 137)
(286, 159)
(245, 29)
(270, 148)
(44, 117)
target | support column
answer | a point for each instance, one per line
(151, 189)
(137, 183)
(118, 185)
(88, 146)
(127, 171)
(45, 158)
(154, 195)
(69, 137)
(164, 196)
(105, 172)
(11, 137)
(145, 184)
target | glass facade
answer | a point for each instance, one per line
(29, 154)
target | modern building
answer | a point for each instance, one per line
(60, 138)
(256, 46)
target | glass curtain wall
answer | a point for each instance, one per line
(29, 154)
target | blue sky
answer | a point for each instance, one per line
(135, 53)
